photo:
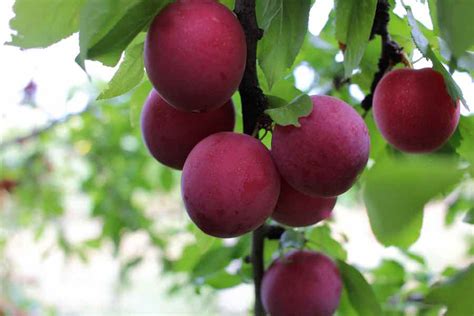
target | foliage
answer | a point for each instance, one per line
(108, 164)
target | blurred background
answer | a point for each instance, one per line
(90, 224)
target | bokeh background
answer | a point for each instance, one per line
(90, 223)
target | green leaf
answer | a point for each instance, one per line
(134, 20)
(128, 266)
(242, 248)
(284, 113)
(40, 23)
(360, 293)
(271, 251)
(129, 74)
(167, 179)
(425, 48)
(455, 24)
(266, 11)
(466, 148)
(454, 293)
(345, 307)
(415, 257)
(377, 142)
(434, 15)
(320, 239)
(460, 206)
(188, 259)
(354, 19)
(389, 277)
(138, 100)
(223, 280)
(396, 191)
(212, 261)
(95, 15)
(228, 3)
(283, 38)
(469, 218)
(292, 239)
(368, 66)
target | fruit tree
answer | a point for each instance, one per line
(209, 100)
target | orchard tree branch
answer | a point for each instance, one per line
(39, 131)
(254, 104)
(257, 261)
(392, 53)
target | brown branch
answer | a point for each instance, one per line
(254, 104)
(392, 53)
(257, 260)
(39, 131)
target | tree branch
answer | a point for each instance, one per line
(257, 260)
(254, 104)
(392, 53)
(38, 131)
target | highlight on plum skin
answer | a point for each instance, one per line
(297, 209)
(303, 283)
(414, 111)
(195, 54)
(230, 184)
(170, 134)
(327, 153)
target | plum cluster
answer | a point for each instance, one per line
(195, 56)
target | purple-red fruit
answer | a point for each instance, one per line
(195, 54)
(326, 154)
(414, 111)
(230, 184)
(302, 283)
(170, 134)
(297, 209)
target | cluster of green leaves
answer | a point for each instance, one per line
(395, 188)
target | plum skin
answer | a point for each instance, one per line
(302, 283)
(195, 54)
(297, 209)
(324, 156)
(414, 111)
(229, 184)
(170, 134)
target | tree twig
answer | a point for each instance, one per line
(392, 53)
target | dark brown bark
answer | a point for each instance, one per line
(392, 53)
(254, 102)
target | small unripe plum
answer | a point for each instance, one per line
(324, 156)
(230, 184)
(414, 111)
(301, 283)
(195, 54)
(297, 209)
(171, 134)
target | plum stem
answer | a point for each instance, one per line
(392, 52)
